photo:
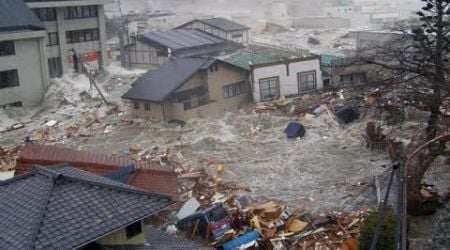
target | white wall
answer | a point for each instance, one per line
(288, 83)
(31, 65)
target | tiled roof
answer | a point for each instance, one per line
(149, 177)
(244, 59)
(157, 239)
(15, 16)
(157, 85)
(63, 208)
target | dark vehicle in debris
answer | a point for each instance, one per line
(209, 224)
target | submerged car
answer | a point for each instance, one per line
(210, 224)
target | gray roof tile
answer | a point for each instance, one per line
(15, 15)
(157, 85)
(63, 208)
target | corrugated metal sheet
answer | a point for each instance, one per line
(181, 38)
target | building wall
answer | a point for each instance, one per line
(30, 63)
(119, 237)
(217, 32)
(61, 25)
(322, 22)
(218, 105)
(288, 83)
(373, 73)
(142, 55)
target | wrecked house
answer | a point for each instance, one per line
(150, 50)
(185, 88)
(150, 177)
(345, 73)
(271, 78)
(220, 27)
(22, 43)
(61, 207)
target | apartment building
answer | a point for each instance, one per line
(23, 71)
(72, 24)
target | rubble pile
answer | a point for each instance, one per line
(277, 226)
(8, 158)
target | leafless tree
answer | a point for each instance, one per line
(417, 52)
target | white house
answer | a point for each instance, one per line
(285, 78)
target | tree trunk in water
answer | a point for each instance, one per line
(416, 168)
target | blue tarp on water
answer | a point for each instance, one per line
(122, 175)
(294, 130)
(246, 238)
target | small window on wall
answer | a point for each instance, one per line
(135, 104)
(234, 36)
(9, 79)
(147, 106)
(53, 39)
(133, 230)
(7, 48)
(307, 81)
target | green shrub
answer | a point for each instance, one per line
(387, 234)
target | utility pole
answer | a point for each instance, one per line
(123, 29)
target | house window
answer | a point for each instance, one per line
(235, 36)
(7, 48)
(147, 106)
(193, 98)
(233, 90)
(76, 36)
(307, 81)
(45, 14)
(354, 79)
(9, 79)
(269, 88)
(133, 229)
(136, 105)
(52, 39)
(80, 12)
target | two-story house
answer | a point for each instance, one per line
(185, 88)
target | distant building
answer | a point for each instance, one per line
(271, 78)
(220, 27)
(78, 24)
(23, 68)
(150, 50)
(61, 207)
(185, 88)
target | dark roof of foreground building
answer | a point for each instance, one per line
(15, 16)
(157, 85)
(220, 23)
(65, 208)
(157, 239)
